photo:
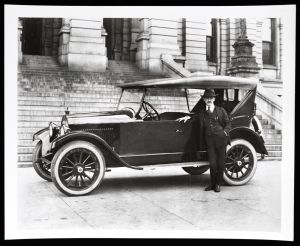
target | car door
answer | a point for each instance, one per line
(153, 142)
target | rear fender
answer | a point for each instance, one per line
(247, 134)
(90, 137)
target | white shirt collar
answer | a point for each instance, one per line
(212, 107)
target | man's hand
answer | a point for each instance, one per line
(184, 119)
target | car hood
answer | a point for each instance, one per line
(101, 117)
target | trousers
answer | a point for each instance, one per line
(216, 150)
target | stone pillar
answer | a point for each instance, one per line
(218, 47)
(103, 36)
(258, 43)
(162, 40)
(223, 46)
(143, 40)
(243, 63)
(195, 45)
(134, 27)
(86, 49)
(64, 38)
(277, 43)
(20, 29)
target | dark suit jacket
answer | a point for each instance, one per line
(197, 137)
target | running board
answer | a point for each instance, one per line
(181, 164)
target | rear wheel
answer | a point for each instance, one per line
(77, 168)
(241, 162)
(196, 170)
(41, 166)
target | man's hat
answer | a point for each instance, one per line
(209, 93)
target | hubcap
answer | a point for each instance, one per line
(79, 169)
(239, 163)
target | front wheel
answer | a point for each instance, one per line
(241, 162)
(77, 168)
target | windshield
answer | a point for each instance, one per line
(131, 98)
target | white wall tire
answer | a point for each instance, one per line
(77, 168)
(240, 163)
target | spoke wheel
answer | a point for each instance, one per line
(241, 162)
(78, 168)
(196, 170)
(42, 167)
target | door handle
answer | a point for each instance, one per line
(179, 131)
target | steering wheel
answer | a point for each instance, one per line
(150, 112)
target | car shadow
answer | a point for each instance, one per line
(120, 184)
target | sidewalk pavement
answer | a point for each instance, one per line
(153, 199)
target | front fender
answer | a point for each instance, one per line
(90, 137)
(43, 135)
(255, 139)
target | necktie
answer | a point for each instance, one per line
(208, 108)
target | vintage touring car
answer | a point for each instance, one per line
(76, 154)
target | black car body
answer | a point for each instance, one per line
(76, 154)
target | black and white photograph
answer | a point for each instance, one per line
(149, 121)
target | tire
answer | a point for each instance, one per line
(42, 168)
(77, 168)
(241, 162)
(196, 170)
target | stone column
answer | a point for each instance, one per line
(64, 38)
(195, 45)
(223, 46)
(143, 40)
(258, 43)
(103, 36)
(218, 47)
(134, 27)
(20, 29)
(277, 43)
(243, 63)
(86, 49)
(162, 40)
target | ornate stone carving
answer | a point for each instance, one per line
(243, 63)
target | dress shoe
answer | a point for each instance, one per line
(217, 188)
(210, 187)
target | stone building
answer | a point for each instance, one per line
(57, 54)
(196, 44)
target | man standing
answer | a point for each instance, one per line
(214, 126)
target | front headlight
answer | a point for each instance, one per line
(53, 130)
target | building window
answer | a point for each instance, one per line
(268, 41)
(211, 41)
